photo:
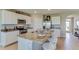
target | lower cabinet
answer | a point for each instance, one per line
(24, 44)
(8, 38)
(27, 44)
(30, 30)
(57, 32)
(37, 45)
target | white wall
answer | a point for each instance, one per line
(37, 21)
(0, 25)
(72, 25)
(63, 26)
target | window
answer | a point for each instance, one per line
(56, 20)
(78, 23)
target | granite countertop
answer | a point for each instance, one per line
(76, 29)
(34, 36)
(8, 30)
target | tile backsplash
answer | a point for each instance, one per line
(11, 26)
(8, 26)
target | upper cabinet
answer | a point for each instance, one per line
(24, 17)
(9, 17)
(29, 20)
(20, 16)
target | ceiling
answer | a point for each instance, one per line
(48, 11)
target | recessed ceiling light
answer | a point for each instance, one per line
(35, 11)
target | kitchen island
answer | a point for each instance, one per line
(32, 41)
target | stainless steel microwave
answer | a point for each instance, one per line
(21, 21)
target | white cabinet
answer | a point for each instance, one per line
(30, 30)
(28, 20)
(24, 44)
(27, 44)
(20, 16)
(8, 37)
(9, 17)
(57, 32)
(24, 17)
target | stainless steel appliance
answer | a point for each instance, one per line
(21, 21)
(20, 26)
(21, 29)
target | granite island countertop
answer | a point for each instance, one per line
(36, 37)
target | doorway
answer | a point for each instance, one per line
(68, 25)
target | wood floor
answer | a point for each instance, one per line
(60, 43)
(11, 47)
(68, 43)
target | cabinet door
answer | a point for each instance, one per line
(11, 37)
(8, 17)
(3, 41)
(29, 21)
(57, 32)
(13, 18)
(20, 16)
(24, 17)
(24, 44)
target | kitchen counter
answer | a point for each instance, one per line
(9, 30)
(36, 37)
(8, 37)
(32, 41)
(76, 29)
